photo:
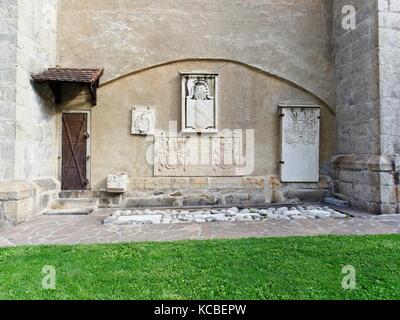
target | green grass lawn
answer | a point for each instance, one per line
(288, 268)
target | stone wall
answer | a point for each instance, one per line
(290, 38)
(28, 136)
(215, 191)
(367, 84)
(389, 82)
(357, 89)
(356, 65)
(389, 75)
(35, 135)
(8, 53)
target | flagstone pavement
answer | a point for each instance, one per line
(55, 230)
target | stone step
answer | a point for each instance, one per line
(74, 203)
(68, 212)
(337, 202)
(84, 194)
(72, 207)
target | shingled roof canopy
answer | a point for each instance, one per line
(56, 76)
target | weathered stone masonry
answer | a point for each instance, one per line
(8, 54)
(367, 82)
(27, 122)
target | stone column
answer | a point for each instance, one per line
(389, 89)
(27, 113)
(364, 169)
(8, 56)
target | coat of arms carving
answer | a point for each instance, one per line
(143, 121)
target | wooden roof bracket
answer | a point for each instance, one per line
(93, 91)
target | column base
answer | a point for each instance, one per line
(367, 181)
(22, 200)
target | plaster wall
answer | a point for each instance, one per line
(287, 38)
(249, 100)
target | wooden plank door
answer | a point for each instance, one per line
(74, 151)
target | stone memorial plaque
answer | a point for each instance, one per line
(143, 121)
(199, 103)
(300, 134)
(199, 156)
(117, 182)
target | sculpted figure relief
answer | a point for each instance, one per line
(195, 157)
(199, 105)
(303, 128)
(143, 121)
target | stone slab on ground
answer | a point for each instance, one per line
(138, 217)
(337, 202)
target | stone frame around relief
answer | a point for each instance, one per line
(209, 99)
(143, 121)
(300, 126)
(199, 156)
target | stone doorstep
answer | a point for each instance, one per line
(73, 204)
(69, 212)
(72, 207)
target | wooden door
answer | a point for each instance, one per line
(74, 151)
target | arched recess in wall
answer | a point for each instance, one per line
(321, 101)
(248, 97)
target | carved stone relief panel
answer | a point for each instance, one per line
(117, 182)
(300, 134)
(143, 121)
(219, 156)
(199, 102)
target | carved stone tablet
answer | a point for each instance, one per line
(199, 103)
(117, 182)
(300, 134)
(143, 121)
(199, 156)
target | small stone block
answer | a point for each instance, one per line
(117, 183)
